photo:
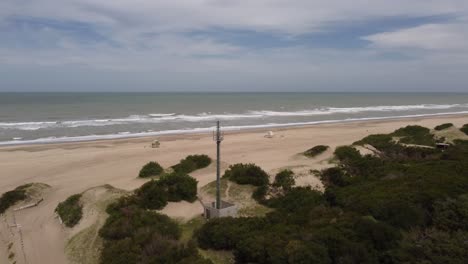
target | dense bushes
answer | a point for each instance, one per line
(246, 174)
(407, 205)
(150, 169)
(319, 149)
(334, 177)
(179, 187)
(11, 197)
(379, 141)
(192, 163)
(464, 129)
(70, 210)
(417, 135)
(284, 179)
(172, 187)
(134, 234)
(151, 195)
(443, 126)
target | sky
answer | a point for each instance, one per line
(232, 45)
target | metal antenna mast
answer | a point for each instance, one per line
(218, 136)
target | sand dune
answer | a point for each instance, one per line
(76, 167)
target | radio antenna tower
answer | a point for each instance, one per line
(218, 136)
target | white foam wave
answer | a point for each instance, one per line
(173, 117)
(206, 129)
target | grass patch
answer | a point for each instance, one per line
(256, 210)
(218, 256)
(315, 151)
(11, 197)
(70, 210)
(210, 188)
(443, 126)
(189, 228)
(85, 247)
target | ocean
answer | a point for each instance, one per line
(28, 118)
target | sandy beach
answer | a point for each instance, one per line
(76, 167)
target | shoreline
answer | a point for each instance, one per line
(250, 129)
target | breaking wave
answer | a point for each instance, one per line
(201, 117)
(120, 135)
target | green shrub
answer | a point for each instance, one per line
(135, 222)
(135, 235)
(246, 174)
(378, 141)
(179, 187)
(152, 195)
(298, 198)
(11, 197)
(260, 193)
(284, 179)
(417, 135)
(192, 163)
(451, 214)
(70, 210)
(334, 176)
(443, 126)
(319, 149)
(150, 169)
(464, 129)
(347, 153)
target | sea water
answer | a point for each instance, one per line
(27, 118)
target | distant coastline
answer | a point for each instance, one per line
(38, 118)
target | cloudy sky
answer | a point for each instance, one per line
(233, 45)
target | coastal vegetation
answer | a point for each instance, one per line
(315, 151)
(133, 233)
(464, 129)
(11, 197)
(284, 180)
(407, 204)
(246, 174)
(151, 169)
(416, 135)
(70, 210)
(443, 126)
(192, 163)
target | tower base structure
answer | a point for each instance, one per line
(225, 210)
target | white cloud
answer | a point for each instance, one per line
(441, 37)
(148, 42)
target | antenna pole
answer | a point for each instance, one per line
(218, 139)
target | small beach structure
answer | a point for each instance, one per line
(155, 144)
(270, 134)
(218, 208)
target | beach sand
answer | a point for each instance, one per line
(75, 167)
